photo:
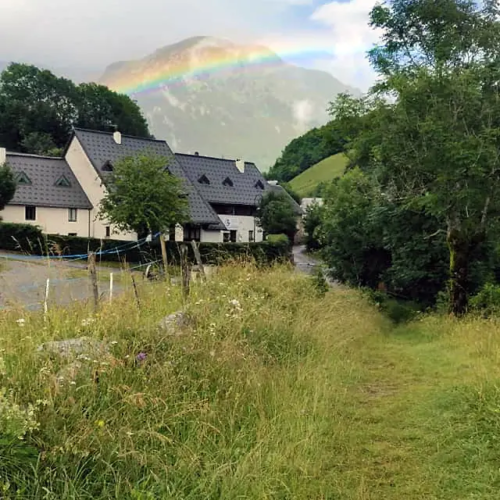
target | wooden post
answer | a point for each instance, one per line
(197, 256)
(111, 282)
(136, 292)
(164, 255)
(93, 279)
(186, 271)
(46, 301)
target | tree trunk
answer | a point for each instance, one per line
(461, 247)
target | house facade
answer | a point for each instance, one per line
(63, 195)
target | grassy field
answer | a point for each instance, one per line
(324, 171)
(273, 392)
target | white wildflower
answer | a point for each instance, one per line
(3, 370)
(21, 321)
(87, 321)
(235, 303)
(114, 342)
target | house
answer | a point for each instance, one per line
(63, 195)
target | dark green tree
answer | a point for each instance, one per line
(276, 214)
(312, 223)
(142, 196)
(7, 185)
(38, 110)
(437, 139)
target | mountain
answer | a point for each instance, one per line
(219, 98)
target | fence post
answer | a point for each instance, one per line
(46, 301)
(186, 272)
(164, 255)
(111, 282)
(197, 256)
(93, 279)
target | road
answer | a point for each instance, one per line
(304, 262)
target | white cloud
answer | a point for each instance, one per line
(347, 27)
(303, 113)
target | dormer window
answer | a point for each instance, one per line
(63, 182)
(22, 179)
(259, 185)
(107, 167)
(204, 179)
(228, 182)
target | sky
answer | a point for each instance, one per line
(87, 35)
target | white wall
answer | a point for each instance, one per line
(91, 183)
(243, 224)
(211, 236)
(51, 220)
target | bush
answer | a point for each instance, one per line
(487, 300)
(29, 239)
(278, 238)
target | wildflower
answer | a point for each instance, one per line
(114, 342)
(235, 303)
(73, 382)
(141, 356)
(87, 321)
(21, 322)
(100, 423)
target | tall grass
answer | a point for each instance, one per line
(274, 390)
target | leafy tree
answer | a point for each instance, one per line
(307, 150)
(7, 185)
(437, 136)
(143, 197)
(312, 223)
(289, 189)
(39, 109)
(276, 214)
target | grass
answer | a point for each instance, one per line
(274, 392)
(324, 171)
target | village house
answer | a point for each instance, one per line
(63, 195)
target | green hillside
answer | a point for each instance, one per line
(324, 171)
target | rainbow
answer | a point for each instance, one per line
(257, 58)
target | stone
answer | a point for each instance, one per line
(72, 348)
(175, 324)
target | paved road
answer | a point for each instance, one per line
(303, 262)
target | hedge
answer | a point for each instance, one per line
(29, 239)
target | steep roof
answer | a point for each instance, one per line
(102, 150)
(241, 190)
(41, 177)
(279, 189)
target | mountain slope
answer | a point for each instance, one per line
(324, 171)
(219, 98)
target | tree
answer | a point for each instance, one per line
(38, 110)
(312, 223)
(276, 214)
(142, 196)
(7, 185)
(438, 133)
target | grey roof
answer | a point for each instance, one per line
(216, 170)
(44, 172)
(279, 189)
(100, 147)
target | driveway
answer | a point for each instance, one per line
(304, 262)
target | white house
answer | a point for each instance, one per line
(63, 195)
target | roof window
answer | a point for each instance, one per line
(204, 179)
(107, 167)
(259, 185)
(22, 179)
(228, 182)
(63, 182)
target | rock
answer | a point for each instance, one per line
(175, 324)
(72, 348)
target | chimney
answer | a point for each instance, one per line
(3, 156)
(196, 153)
(117, 136)
(240, 165)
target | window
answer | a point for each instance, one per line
(22, 179)
(228, 182)
(192, 233)
(251, 236)
(30, 213)
(63, 182)
(203, 179)
(259, 185)
(72, 214)
(108, 231)
(226, 237)
(107, 167)
(233, 236)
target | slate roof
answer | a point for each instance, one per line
(279, 189)
(217, 170)
(101, 148)
(44, 173)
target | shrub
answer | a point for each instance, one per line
(278, 238)
(23, 237)
(487, 300)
